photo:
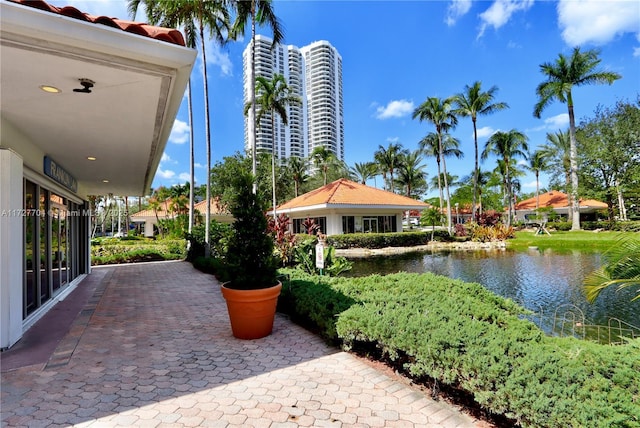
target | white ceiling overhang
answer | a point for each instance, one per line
(124, 122)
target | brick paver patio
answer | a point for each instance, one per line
(153, 348)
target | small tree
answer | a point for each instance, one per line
(250, 263)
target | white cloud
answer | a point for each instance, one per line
(531, 184)
(558, 121)
(216, 57)
(198, 165)
(485, 131)
(184, 176)
(398, 108)
(457, 9)
(636, 51)
(179, 132)
(597, 21)
(393, 139)
(166, 173)
(500, 12)
(165, 158)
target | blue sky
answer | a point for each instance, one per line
(397, 53)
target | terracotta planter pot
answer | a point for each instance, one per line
(251, 312)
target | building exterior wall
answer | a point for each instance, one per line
(11, 247)
(314, 74)
(333, 218)
(44, 237)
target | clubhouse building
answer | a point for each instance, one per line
(88, 103)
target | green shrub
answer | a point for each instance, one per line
(383, 240)
(561, 226)
(219, 234)
(450, 332)
(113, 250)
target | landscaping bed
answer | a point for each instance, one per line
(449, 335)
(132, 250)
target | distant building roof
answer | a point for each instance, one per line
(557, 199)
(345, 193)
(168, 35)
(216, 208)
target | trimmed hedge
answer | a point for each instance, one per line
(462, 335)
(383, 240)
(129, 251)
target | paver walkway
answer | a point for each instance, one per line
(153, 348)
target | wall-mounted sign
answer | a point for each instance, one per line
(59, 174)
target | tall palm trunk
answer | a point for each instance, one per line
(252, 99)
(273, 163)
(191, 158)
(573, 160)
(208, 139)
(475, 171)
(537, 190)
(446, 183)
(440, 182)
(509, 195)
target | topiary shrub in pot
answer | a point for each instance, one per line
(251, 289)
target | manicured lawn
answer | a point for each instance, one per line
(577, 240)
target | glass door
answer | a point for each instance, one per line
(370, 224)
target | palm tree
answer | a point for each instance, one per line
(389, 159)
(194, 17)
(439, 112)
(258, 12)
(507, 146)
(322, 159)
(363, 171)
(430, 146)
(411, 174)
(537, 163)
(558, 151)
(274, 98)
(297, 168)
(577, 70)
(483, 180)
(473, 102)
(622, 269)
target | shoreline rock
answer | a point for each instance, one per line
(432, 246)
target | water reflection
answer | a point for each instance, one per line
(539, 280)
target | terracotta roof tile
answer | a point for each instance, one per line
(556, 199)
(168, 35)
(345, 192)
(216, 208)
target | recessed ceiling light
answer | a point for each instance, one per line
(91, 158)
(105, 181)
(50, 89)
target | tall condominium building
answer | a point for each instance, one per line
(323, 96)
(314, 74)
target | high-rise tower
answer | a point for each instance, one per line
(323, 96)
(314, 74)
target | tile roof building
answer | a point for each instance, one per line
(149, 218)
(559, 202)
(88, 103)
(344, 206)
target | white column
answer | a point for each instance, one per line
(148, 228)
(11, 247)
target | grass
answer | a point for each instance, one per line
(576, 240)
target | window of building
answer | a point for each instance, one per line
(299, 224)
(55, 252)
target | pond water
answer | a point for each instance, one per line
(541, 281)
